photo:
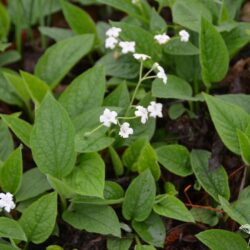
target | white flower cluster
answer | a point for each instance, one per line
(110, 117)
(6, 202)
(112, 40)
(164, 38)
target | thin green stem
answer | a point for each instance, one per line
(63, 202)
(127, 118)
(93, 131)
(136, 88)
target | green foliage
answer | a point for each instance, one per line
(227, 118)
(38, 220)
(214, 56)
(95, 219)
(11, 172)
(217, 239)
(175, 158)
(49, 67)
(52, 139)
(215, 182)
(139, 197)
(171, 207)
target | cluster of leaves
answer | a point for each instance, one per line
(72, 166)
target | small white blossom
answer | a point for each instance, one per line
(245, 228)
(155, 109)
(184, 35)
(111, 42)
(6, 202)
(162, 38)
(108, 117)
(125, 130)
(141, 57)
(113, 32)
(127, 47)
(161, 73)
(141, 112)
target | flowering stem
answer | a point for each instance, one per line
(93, 131)
(136, 88)
(127, 118)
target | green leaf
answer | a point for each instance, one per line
(214, 56)
(152, 230)
(33, 184)
(237, 38)
(171, 207)
(176, 110)
(238, 210)
(139, 197)
(9, 57)
(217, 239)
(157, 23)
(21, 128)
(88, 177)
(52, 139)
(38, 220)
(94, 219)
(215, 182)
(61, 187)
(85, 92)
(119, 244)
(18, 85)
(79, 20)
(56, 34)
(6, 142)
(119, 97)
(139, 35)
(123, 66)
(176, 88)
(7, 93)
(176, 47)
(113, 194)
(92, 143)
(50, 67)
(144, 247)
(175, 158)
(36, 88)
(7, 247)
(11, 172)
(4, 22)
(116, 161)
(241, 100)
(205, 216)
(124, 6)
(227, 118)
(10, 228)
(140, 156)
(189, 13)
(244, 143)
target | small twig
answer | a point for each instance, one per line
(186, 194)
(236, 171)
(205, 207)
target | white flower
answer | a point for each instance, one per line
(142, 112)
(161, 73)
(125, 130)
(6, 202)
(162, 38)
(127, 47)
(155, 109)
(184, 35)
(113, 32)
(111, 42)
(142, 57)
(108, 117)
(245, 228)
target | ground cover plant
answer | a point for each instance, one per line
(125, 124)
